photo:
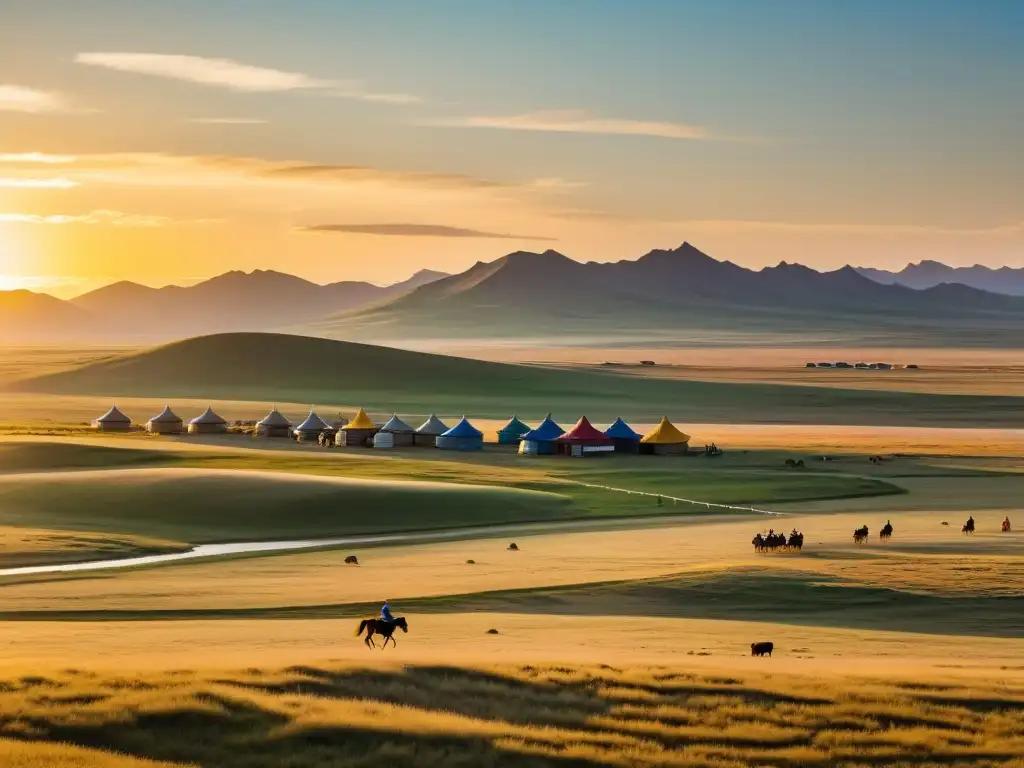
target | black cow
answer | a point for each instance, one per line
(761, 649)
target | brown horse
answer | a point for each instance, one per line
(384, 628)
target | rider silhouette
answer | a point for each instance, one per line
(385, 613)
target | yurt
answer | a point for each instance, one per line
(310, 430)
(541, 441)
(274, 424)
(625, 439)
(358, 432)
(665, 439)
(462, 437)
(384, 440)
(113, 421)
(167, 422)
(428, 432)
(512, 432)
(208, 423)
(584, 440)
(401, 432)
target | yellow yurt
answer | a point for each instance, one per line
(665, 439)
(358, 432)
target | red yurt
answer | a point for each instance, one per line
(584, 440)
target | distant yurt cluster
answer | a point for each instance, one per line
(548, 438)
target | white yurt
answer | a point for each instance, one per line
(208, 423)
(274, 424)
(399, 430)
(310, 430)
(385, 440)
(428, 432)
(167, 422)
(113, 421)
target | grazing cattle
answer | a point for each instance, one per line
(761, 649)
(352, 560)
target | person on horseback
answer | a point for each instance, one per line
(1006, 524)
(970, 523)
(385, 613)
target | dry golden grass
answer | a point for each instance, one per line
(330, 716)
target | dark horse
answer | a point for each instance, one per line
(886, 531)
(860, 535)
(384, 628)
(968, 526)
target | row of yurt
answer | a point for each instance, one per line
(167, 422)
(585, 439)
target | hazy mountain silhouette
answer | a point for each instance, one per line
(928, 274)
(28, 316)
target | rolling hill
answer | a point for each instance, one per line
(275, 367)
(928, 274)
(258, 300)
(666, 292)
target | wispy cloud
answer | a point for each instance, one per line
(111, 218)
(35, 157)
(18, 98)
(227, 120)
(417, 230)
(10, 183)
(233, 75)
(579, 121)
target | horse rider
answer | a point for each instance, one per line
(970, 521)
(385, 613)
(1006, 523)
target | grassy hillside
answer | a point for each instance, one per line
(273, 367)
(524, 716)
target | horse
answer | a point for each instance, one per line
(761, 649)
(886, 532)
(968, 527)
(796, 541)
(1005, 526)
(860, 535)
(384, 628)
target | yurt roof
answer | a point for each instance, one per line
(113, 416)
(665, 433)
(361, 421)
(463, 429)
(313, 423)
(620, 430)
(546, 431)
(208, 417)
(395, 424)
(432, 426)
(166, 416)
(584, 432)
(515, 427)
(274, 419)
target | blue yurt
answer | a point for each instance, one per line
(512, 432)
(462, 437)
(625, 439)
(541, 441)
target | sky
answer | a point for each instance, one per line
(166, 142)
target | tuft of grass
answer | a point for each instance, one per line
(442, 716)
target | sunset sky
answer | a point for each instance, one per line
(166, 142)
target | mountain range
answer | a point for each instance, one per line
(666, 296)
(928, 274)
(233, 301)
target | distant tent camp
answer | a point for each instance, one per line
(625, 438)
(584, 440)
(512, 432)
(113, 421)
(358, 432)
(209, 423)
(428, 432)
(166, 423)
(541, 441)
(665, 439)
(462, 437)
(274, 424)
(401, 432)
(310, 430)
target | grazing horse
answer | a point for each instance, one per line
(761, 649)
(384, 628)
(886, 532)
(860, 535)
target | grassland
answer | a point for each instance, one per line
(341, 374)
(333, 716)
